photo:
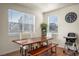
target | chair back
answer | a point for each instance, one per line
(71, 34)
(70, 41)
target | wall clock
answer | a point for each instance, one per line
(71, 17)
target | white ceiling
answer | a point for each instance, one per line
(45, 7)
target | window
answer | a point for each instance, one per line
(52, 24)
(19, 22)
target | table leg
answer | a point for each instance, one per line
(21, 50)
(39, 44)
(47, 42)
(25, 52)
(30, 47)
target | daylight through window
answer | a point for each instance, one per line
(52, 24)
(19, 22)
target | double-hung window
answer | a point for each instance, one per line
(20, 22)
(52, 24)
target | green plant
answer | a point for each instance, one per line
(44, 29)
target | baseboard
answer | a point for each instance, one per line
(5, 53)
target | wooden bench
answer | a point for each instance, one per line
(42, 50)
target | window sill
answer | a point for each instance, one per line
(13, 34)
(52, 33)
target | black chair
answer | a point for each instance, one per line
(71, 41)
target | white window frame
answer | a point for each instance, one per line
(49, 25)
(13, 34)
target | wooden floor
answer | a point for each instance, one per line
(59, 53)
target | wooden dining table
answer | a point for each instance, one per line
(30, 42)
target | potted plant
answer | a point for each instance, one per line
(43, 30)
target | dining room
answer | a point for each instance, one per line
(37, 29)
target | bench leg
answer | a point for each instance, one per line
(55, 50)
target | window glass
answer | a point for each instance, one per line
(52, 22)
(18, 22)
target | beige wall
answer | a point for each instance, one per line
(6, 44)
(63, 26)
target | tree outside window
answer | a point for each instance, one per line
(52, 22)
(20, 22)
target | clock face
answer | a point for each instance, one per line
(71, 17)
